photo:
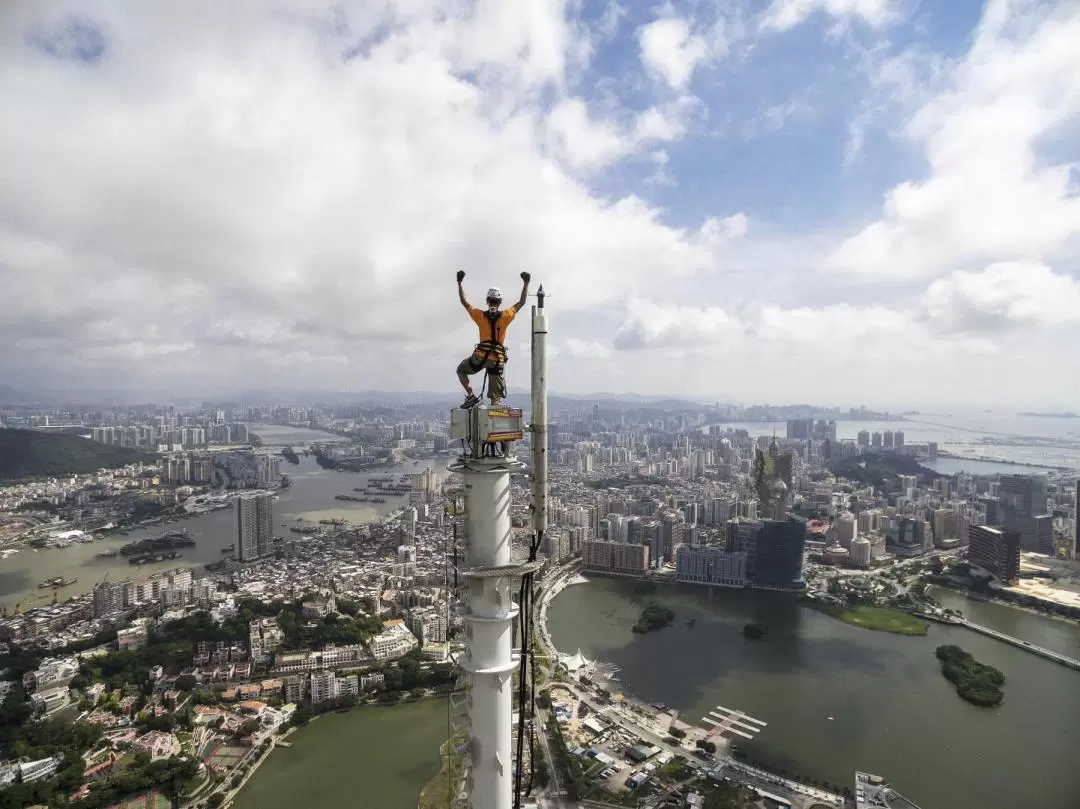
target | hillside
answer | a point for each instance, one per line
(29, 454)
(881, 471)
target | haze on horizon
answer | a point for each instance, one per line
(828, 201)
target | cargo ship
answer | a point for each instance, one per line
(56, 581)
(165, 542)
(147, 558)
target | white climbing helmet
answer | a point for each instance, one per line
(494, 294)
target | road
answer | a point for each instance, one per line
(552, 797)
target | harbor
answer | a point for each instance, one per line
(309, 500)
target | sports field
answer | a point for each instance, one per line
(223, 755)
(153, 800)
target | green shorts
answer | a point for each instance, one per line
(472, 365)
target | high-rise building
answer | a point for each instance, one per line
(710, 565)
(1023, 499)
(799, 428)
(777, 559)
(996, 551)
(617, 558)
(847, 528)
(1076, 521)
(254, 526)
(268, 470)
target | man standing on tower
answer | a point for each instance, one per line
(490, 353)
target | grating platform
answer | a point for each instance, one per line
(500, 571)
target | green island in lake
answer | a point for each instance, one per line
(975, 682)
(653, 617)
(881, 619)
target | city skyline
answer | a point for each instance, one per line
(765, 202)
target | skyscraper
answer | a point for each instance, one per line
(1076, 522)
(254, 526)
(778, 555)
(1023, 498)
(995, 551)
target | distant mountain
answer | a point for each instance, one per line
(29, 454)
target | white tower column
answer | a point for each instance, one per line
(489, 613)
(539, 425)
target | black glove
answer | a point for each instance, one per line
(526, 277)
(460, 276)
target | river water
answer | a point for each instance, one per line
(1014, 439)
(311, 497)
(838, 698)
(369, 757)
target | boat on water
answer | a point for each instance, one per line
(106, 554)
(229, 548)
(56, 581)
(165, 542)
(147, 558)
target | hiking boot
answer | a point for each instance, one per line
(470, 401)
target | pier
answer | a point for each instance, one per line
(726, 720)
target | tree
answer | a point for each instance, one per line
(185, 682)
(216, 800)
(677, 733)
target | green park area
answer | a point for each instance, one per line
(881, 619)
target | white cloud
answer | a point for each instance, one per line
(991, 193)
(671, 52)
(786, 14)
(274, 197)
(1002, 297)
(588, 143)
(583, 349)
(232, 180)
(651, 325)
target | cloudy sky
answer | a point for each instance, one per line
(836, 201)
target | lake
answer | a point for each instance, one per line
(838, 698)
(369, 757)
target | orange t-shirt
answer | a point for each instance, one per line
(479, 317)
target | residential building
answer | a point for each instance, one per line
(393, 642)
(996, 551)
(254, 526)
(51, 673)
(618, 558)
(710, 565)
(265, 637)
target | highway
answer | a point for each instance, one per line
(1057, 657)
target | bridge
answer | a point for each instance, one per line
(1057, 657)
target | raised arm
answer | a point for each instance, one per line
(525, 278)
(461, 291)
